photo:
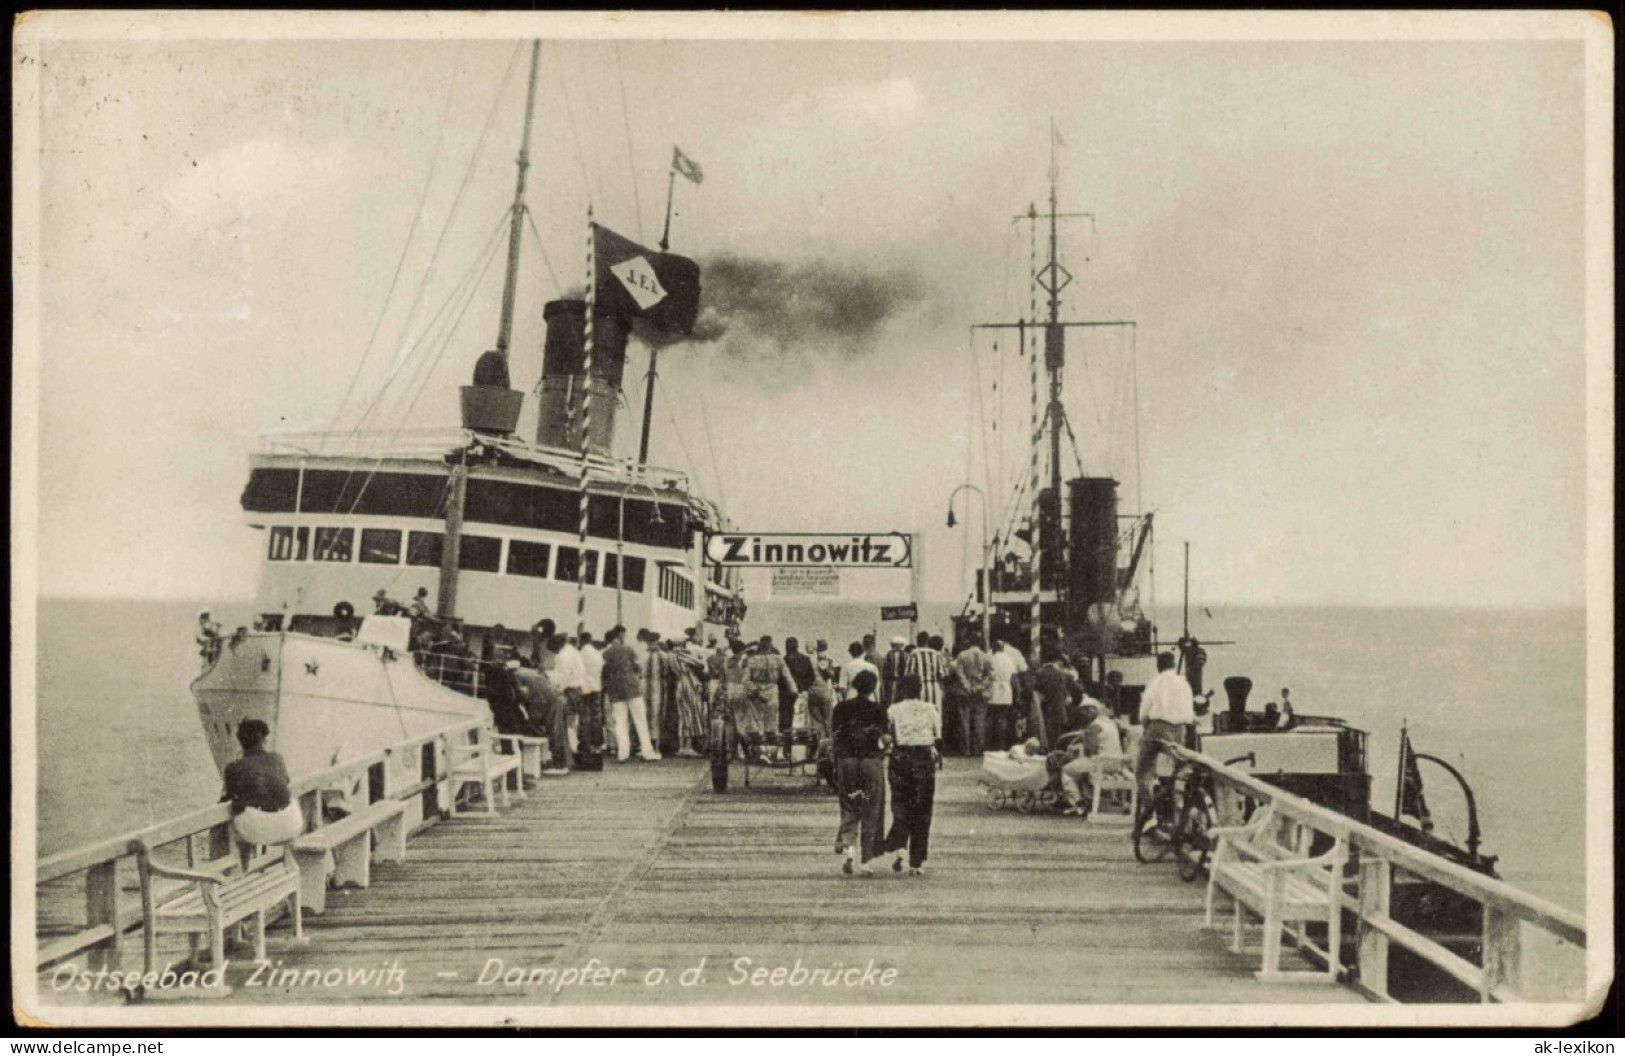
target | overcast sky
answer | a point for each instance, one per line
(1356, 269)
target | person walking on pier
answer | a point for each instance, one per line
(1007, 663)
(916, 729)
(928, 664)
(623, 690)
(1166, 712)
(592, 674)
(767, 681)
(850, 670)
(860, 744)
(262, 806)
(892, 669)
(1055, 683)
(805, 673)
(975, 674)
(569, 676)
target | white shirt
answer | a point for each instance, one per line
(1111, 743)
(1168, 698)
(592, 664)
(570, 672)
(850, 671)
(1006, 663)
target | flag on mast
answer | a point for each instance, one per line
(661, 288)
(1411, 802)
(685, 166)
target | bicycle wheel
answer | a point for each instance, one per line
(721, 749)
(1192, 846)
(1151, 843)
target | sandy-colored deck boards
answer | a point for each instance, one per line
(642, 867)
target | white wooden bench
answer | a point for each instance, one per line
(344, 851)
(1280, 883)
(533, 753)
(479, 763)
(1113, 781)
(209, 903)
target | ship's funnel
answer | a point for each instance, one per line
(1094, 540)
(1236, 687)
(489, 405)
(564, 382)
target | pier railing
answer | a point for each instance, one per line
(414, 772)
(1508, 913)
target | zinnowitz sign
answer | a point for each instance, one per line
(831, 550)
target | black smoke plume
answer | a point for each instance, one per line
(759, 310)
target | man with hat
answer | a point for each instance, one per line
(383, 605)
(1097, 746)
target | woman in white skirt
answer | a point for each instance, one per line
(263, 809)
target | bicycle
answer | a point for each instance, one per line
(1160, 809)
(1192, 846)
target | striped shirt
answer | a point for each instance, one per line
(892, 668)
(932, 669)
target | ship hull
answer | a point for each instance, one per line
(326, 701)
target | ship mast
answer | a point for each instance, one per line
(451, 552)
(510, 284)
(1052, 278)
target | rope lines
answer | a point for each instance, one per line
(716, 467)
(552, 276)
(462, 189)
(411, 233)
(588, 184)
(626, 122)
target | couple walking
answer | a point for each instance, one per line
(865, 731)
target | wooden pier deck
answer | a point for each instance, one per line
(642, 867)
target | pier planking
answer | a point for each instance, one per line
(644, 867)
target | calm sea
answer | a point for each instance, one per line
(1500, 694)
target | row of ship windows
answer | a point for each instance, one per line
(478, 553)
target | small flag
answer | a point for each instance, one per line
(662, 288)
(1411, 801)
(685, 166)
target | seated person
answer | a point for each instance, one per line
(1271, 719)
(1088, 753)
(263, 809)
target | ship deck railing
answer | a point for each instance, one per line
(438, 443)
(106, 870)
(1514, 921)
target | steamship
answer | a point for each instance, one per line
(501, 530)
(1066, 574)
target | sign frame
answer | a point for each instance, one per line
(796, 549)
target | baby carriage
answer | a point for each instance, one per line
(1023, 782)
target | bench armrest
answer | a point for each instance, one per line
(1329, 858)
(172, 873)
